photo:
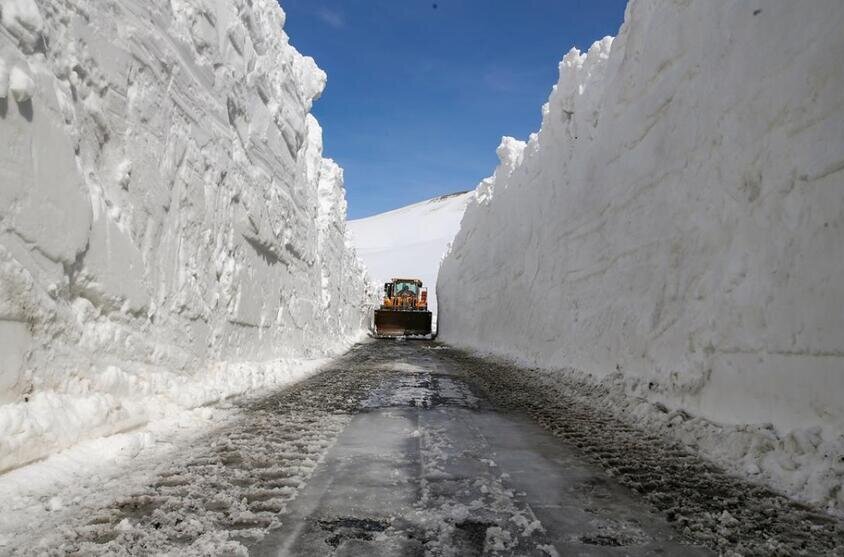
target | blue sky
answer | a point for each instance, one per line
(420, 92)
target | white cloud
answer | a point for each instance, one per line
(332, 17)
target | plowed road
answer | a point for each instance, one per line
(412, 448)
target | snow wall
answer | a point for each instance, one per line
(677, 224)
(169, 230)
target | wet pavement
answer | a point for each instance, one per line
(430, 467)
(413, 448)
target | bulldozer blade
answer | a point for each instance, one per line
(397, 323)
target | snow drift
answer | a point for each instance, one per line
(169, 231)
(676, 226)
(410, 241)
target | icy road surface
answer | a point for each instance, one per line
(412, 448)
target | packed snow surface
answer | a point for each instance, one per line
(676, 226)
(410, 241)
(170, 233)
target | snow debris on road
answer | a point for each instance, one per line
(170, 233)
(430, 467)
(206, 492)
(676, 224)
(94, 472)
(706, 504)
(447, 461)
(486, 516)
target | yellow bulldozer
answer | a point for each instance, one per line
(404, 310)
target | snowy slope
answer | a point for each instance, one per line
(677, 225)
(410, 241)
(170, 233)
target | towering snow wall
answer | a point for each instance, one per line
(677, 224)
(166, 215)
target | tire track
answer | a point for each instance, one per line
(234, 484)
(704, 503)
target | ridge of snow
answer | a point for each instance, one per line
(170, 233)
(676, 226)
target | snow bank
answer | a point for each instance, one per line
(676, 225)
(170, 233)
(410, 241)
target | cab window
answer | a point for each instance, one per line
(405, 287)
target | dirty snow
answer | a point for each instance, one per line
(427, 466)
(170, 233)
(181, 485)
(655, 455)
(675, 228)
(400, 448)
(410, 241)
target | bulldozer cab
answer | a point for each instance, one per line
(402, 288)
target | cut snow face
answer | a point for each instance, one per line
(171, 233)
(410, 241)
(676, 224)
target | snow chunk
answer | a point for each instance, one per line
(23, 20)
(21, 85)
(124, 173)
